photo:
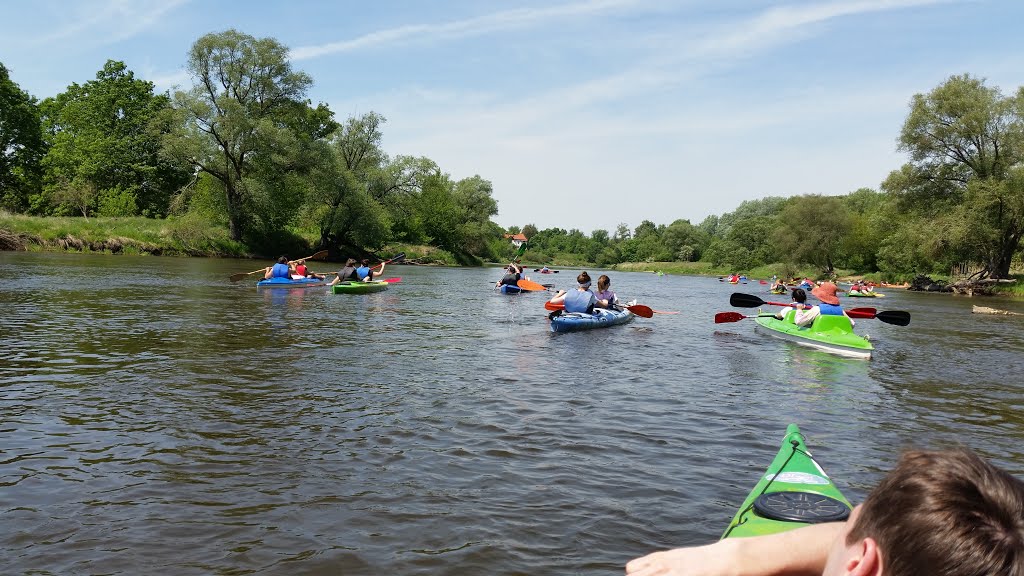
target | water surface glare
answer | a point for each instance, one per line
(157, 419)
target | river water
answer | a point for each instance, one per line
(157, 419)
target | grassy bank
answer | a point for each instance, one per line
(1014, 290)
(188, 236)
(708, 269)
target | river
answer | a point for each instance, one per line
(158, 419)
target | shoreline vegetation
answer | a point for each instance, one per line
(188, 237)
(114, 166)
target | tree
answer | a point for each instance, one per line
(241, 109)
(811, 229)
(103, 133)
(21, 145)
(966, 145)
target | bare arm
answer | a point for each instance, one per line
(800, 552)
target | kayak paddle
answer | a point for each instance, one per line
(638, 309)
(530, 285)
(897, 317)
(240, 275)
(723, 317)
(392, 280)
(548, 272)
(741, 300)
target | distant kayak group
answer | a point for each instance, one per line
(355, 277)
(578, 309)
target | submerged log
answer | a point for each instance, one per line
(987, 310)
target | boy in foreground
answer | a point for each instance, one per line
(945, 513)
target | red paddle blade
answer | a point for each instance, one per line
(861, 312)
(549, 305)
(530, 285)
(641, 310)
(723, 317)
(392, 280)
(762, 282)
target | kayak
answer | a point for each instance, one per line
(359, 287)
(829, 333)
(508, 289)
(601, 318)
(289, 283)
(863, 294)
(779, 291)
(793, 492)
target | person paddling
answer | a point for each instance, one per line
(799, 303)
(283, 269)
(367, 274)
(347, 273)
(579, 300)
(828, 305)
(512, 275)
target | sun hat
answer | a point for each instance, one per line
(826, 292)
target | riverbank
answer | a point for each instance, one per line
(185, 236)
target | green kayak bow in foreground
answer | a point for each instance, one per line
(794, 492)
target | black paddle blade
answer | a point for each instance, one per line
(399, 257)
(897, 317)
(741, 300)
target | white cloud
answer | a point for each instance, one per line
(477, 26)
(109, 22)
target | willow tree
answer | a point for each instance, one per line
(21, 145)
(239, 116)
(966, 147)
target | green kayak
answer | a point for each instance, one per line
(829, 333)
(863, 295)
(359, 287)
(794, 492)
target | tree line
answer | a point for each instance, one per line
(245, 151)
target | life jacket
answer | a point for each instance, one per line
(347, 273)
(510, 279)
(280, 271)
(300, 269)
(362, 272)
(579, 301)
(830, 309)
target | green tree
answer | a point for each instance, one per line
(103, 133)
(966, 144)
(21, 145)
(811, 229)
(242, 108)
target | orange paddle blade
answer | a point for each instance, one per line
(530, 285)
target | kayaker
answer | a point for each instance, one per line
(828, 304)
(947, 512)
(365, 273)
(512, 275)
(347, 273)
(579, 300)
(799, 303)
(604, 297)
(283, 269)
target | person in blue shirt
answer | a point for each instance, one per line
(365, 273)
(283, 269)
(579, 300)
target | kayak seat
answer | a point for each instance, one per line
(807, 507)
(827, 323)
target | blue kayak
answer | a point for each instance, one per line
(508, 289)
(289, 283)
(601, 318)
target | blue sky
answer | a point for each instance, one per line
(582, 113)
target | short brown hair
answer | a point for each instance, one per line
(948, 513)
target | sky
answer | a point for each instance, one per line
(583, 114)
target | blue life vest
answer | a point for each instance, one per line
(280, 271)
(577, 301)
(362, 272)
(830, 309)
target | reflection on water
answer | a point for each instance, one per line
(159, 419)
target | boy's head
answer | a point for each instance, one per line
(948, 513)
